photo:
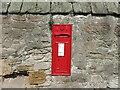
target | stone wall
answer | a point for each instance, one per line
(26, 45)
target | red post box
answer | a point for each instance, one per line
(61, 49)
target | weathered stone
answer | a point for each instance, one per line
(112, 8)
(24, 68)
(47, 57)
(99, 8)
(110, 69)
(47, 83)
(7, 52)
(37, 77)
(82, 7)
(5, 6)
(100, 27)
(117, 30)
(91, 38)
(75, 85)
(90, 46)
(77, 77)
(5, 68)
(61, 7)
(41, 7)
(60, 19)
(29, 7)
(42, 65)
(99, 85)
(5, 19)
(23, 25)
(14, 35)
(15, 7)
(38, 57)
(36, 18)
(80, 63)
(96, 78)
(113, 81)
(93, 55)
(19, 17)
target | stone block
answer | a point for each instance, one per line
(5, 6)
(60, 19)
(5, 68)
(100, 27)
(113, 81)
(37, 77)
(43, 7)
(96, 78)
(28, 7)
(82, 7)
(61, 7)
(14, 7)
(77, 77)
(80, 64)
(24, 68)
(94, 55)
(5, 19)
(23, 25)
(117, 30)
(99, 8)
(19, 17)
(112, 8)
(90, 46)
(36, 18)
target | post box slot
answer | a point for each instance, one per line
(62, 35)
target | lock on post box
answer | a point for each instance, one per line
(61, 49)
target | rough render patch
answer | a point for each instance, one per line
(37, 77)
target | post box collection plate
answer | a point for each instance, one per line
(61, 49)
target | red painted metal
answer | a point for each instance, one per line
(61, 49)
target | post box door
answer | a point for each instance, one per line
(61, 49)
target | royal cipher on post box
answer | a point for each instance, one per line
(61, 49)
